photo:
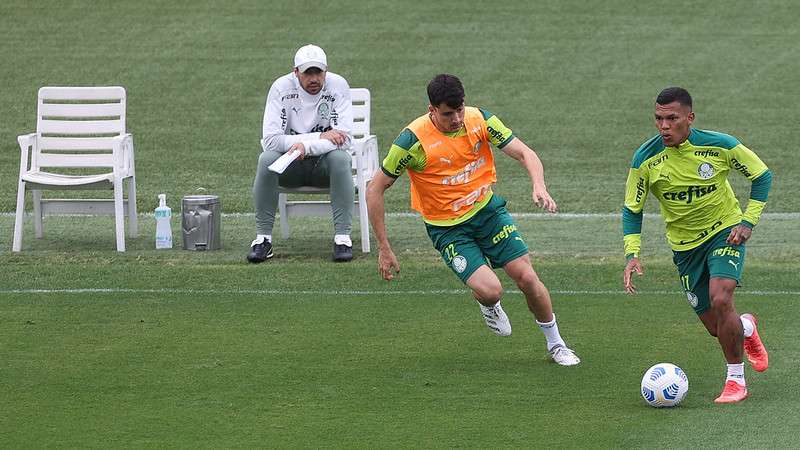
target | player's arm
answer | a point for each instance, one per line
(400, 156)
(636, 188)
(503, 138)
(743, 160)
(387, 261)
(528, 159)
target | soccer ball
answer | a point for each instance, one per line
(664, 385)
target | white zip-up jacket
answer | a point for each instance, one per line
(293, 115)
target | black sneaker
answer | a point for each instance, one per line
(342, 253)
(260, 252)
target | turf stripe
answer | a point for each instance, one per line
(342, 292)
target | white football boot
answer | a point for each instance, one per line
(496, 319)
(564, 356)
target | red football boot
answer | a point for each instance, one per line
(732, 393)
(756, 352)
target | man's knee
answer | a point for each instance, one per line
(491, 292)
(339, 161)
(721, 294)
(485, 284)
(266, 158)
(528, 280)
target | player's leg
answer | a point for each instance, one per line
(730, 335)
(485, 286)
(725, 264)
(334, 170)
(487, 291)
(265, 202)
(504, 247)
(539, 303)
(728, 326)
(536, 294)
(463, 256)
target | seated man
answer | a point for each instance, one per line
(308, 111)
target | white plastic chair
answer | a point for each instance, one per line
(78, 128)
(365, 162)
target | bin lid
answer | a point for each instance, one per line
(200, 199)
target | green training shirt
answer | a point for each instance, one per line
(690, 182)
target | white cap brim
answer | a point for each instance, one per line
(310, 64)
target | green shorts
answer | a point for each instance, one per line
(490, 237)
(713, 258)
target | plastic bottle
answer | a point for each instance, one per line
(163, 228)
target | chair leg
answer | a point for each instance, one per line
(119, 215)
(37, 213)
(133, 225)
(16, 246)
(363, 220)
(285, 231)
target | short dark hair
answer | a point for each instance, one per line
(446, 88)
(675, 94)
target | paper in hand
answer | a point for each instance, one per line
(283, 162)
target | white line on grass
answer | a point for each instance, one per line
(767, 215)
(340, 292)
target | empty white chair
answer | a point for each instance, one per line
(78, 128)
(365, 162)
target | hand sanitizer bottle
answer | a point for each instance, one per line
(163, 229)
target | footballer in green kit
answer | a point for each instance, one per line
(686, 169)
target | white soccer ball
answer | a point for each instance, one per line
(664, 385)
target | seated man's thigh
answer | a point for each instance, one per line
(337, 163)
(298, 173)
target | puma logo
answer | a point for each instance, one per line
(445, 160)
(735, 265)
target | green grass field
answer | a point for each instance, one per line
(183, 349)
(201, 350)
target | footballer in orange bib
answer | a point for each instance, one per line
(448, 156)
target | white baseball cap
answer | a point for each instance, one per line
(310, 56)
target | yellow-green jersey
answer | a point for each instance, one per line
(446, 159)
(691, 184)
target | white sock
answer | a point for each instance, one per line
(342, 239)
(736, 373)
(748, 326)
(261, 238)
(550, 330)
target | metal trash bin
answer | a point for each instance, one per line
(200, 222)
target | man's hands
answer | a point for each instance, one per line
(298, 147)
(337, 137)
(739, 235)
(633, 266)
(387, 264)
(543, 200)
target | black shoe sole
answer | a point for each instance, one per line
(258, 260)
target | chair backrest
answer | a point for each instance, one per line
(360, 99)
(75, 126)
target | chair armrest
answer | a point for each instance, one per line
(370, 155)
(25, 141)
(123, 154)
(365, 155)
